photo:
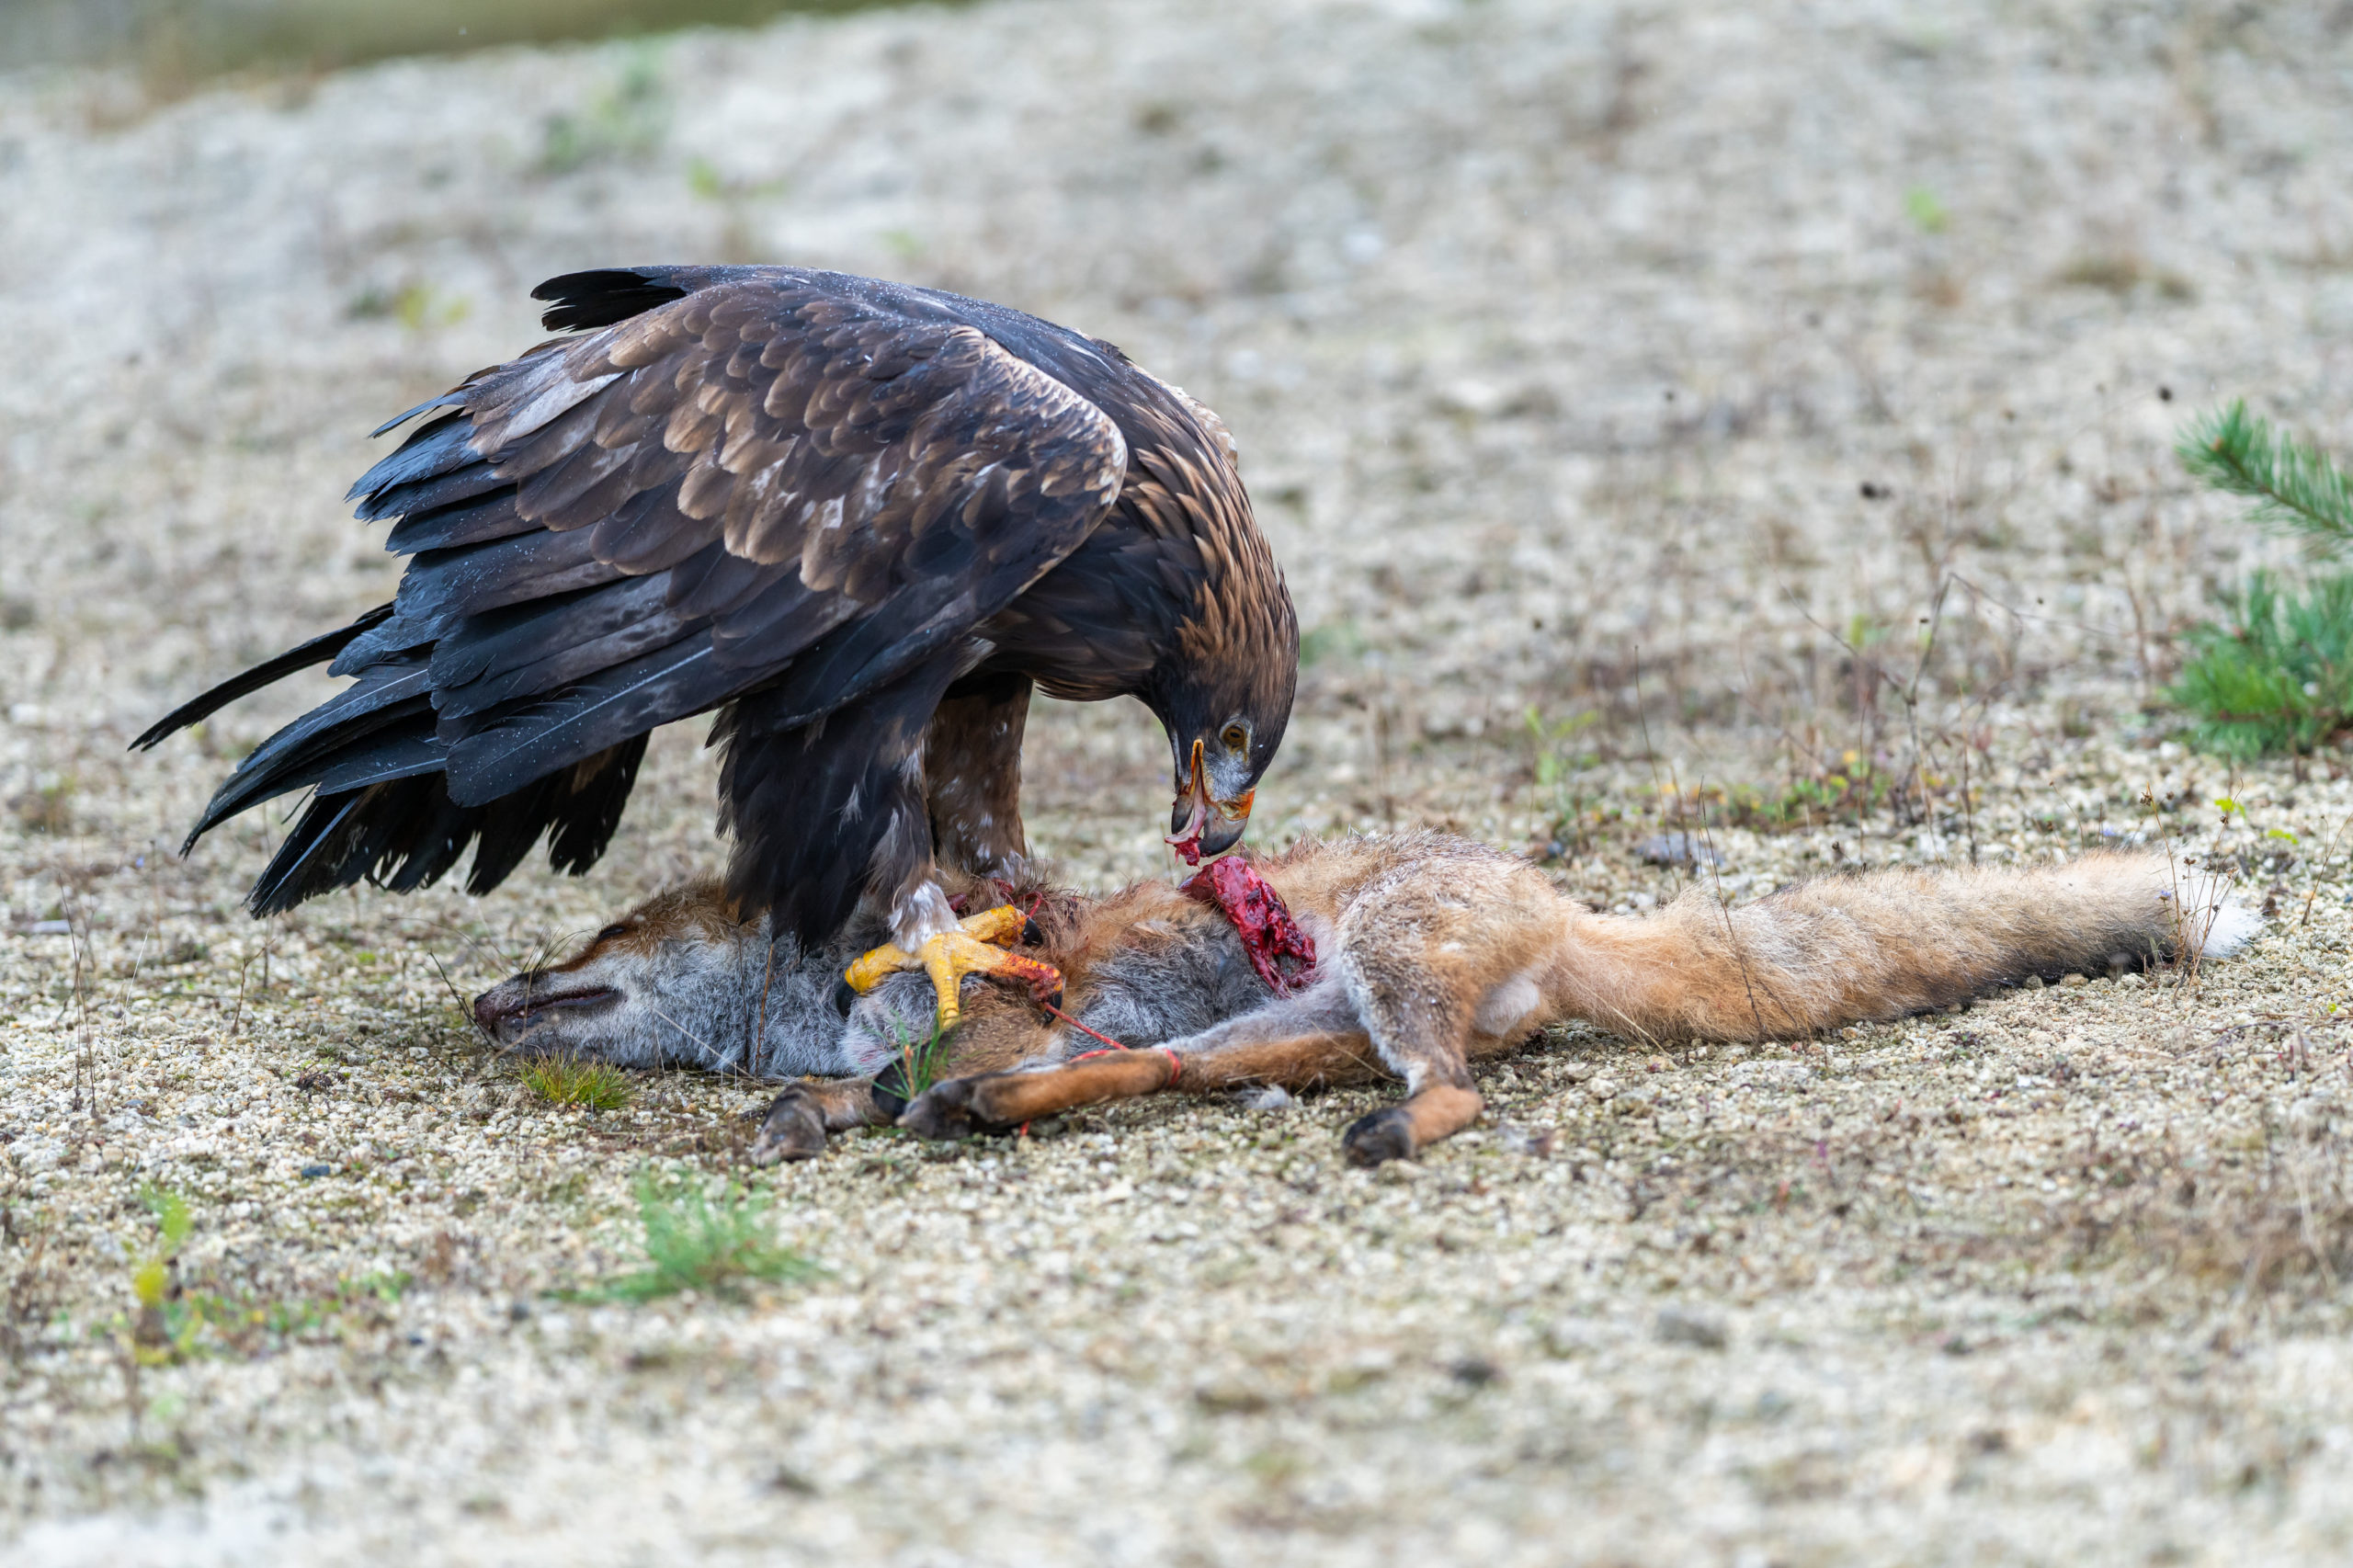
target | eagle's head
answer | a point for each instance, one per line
(1225, 705)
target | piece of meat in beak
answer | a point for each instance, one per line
(1200, 824)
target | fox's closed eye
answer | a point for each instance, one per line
(610, 932)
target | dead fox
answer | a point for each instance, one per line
(1432, 951)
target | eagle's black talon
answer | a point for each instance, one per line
(845, 997)
(1031, 936)
(1382, 1136)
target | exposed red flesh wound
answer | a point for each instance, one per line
(1283, 955)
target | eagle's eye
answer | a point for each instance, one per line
(1236, 738)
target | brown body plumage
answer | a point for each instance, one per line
(859, 520)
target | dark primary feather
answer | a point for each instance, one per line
(335, 731)
(492, 759)
(810, 500)
(476, 520)
(408, 833)
(602, 298)
(301, 656)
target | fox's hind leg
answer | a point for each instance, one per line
(799, 1118)
(1302, 1042)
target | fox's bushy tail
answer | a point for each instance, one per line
(1884, 944)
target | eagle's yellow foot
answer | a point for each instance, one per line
(978, 946)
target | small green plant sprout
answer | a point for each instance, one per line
(563, 1080)
(920, 1060)
(2278, 675)
(627, 120)
(695, 1244)
(385, 1286)
(1332, 640)
(1554, 762)
(420, 307)
(167, 1327)
(1922, 206)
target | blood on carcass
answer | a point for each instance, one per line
(1283, 955)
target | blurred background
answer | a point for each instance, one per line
(1772, 404)
(1743, 422)
(177, 43)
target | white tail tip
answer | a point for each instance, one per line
(2231, 928)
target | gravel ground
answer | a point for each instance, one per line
(1755, 395)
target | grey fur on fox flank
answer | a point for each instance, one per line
(1434, 951)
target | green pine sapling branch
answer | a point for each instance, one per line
(2295, 487)
(2280, 679)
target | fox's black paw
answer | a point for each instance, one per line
(793, 1130)
(1379, 1138)
(944, 1111)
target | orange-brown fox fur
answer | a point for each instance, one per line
(1433, 951)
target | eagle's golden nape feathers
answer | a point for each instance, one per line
(831, 509)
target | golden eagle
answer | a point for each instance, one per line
(860, 520)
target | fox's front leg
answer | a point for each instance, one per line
(988, 1102)
(799, 1118)
(1300, 1042)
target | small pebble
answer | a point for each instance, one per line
(1677, 849)
(1688, 1325)
(1534, 1141)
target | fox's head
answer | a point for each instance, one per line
(685, 979)
(673, 980)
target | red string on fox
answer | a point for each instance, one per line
(1082, 1028)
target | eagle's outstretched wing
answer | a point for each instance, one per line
(739, 478)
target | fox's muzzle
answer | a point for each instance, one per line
(513, 1005)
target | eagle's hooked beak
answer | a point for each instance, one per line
(1201, 825)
